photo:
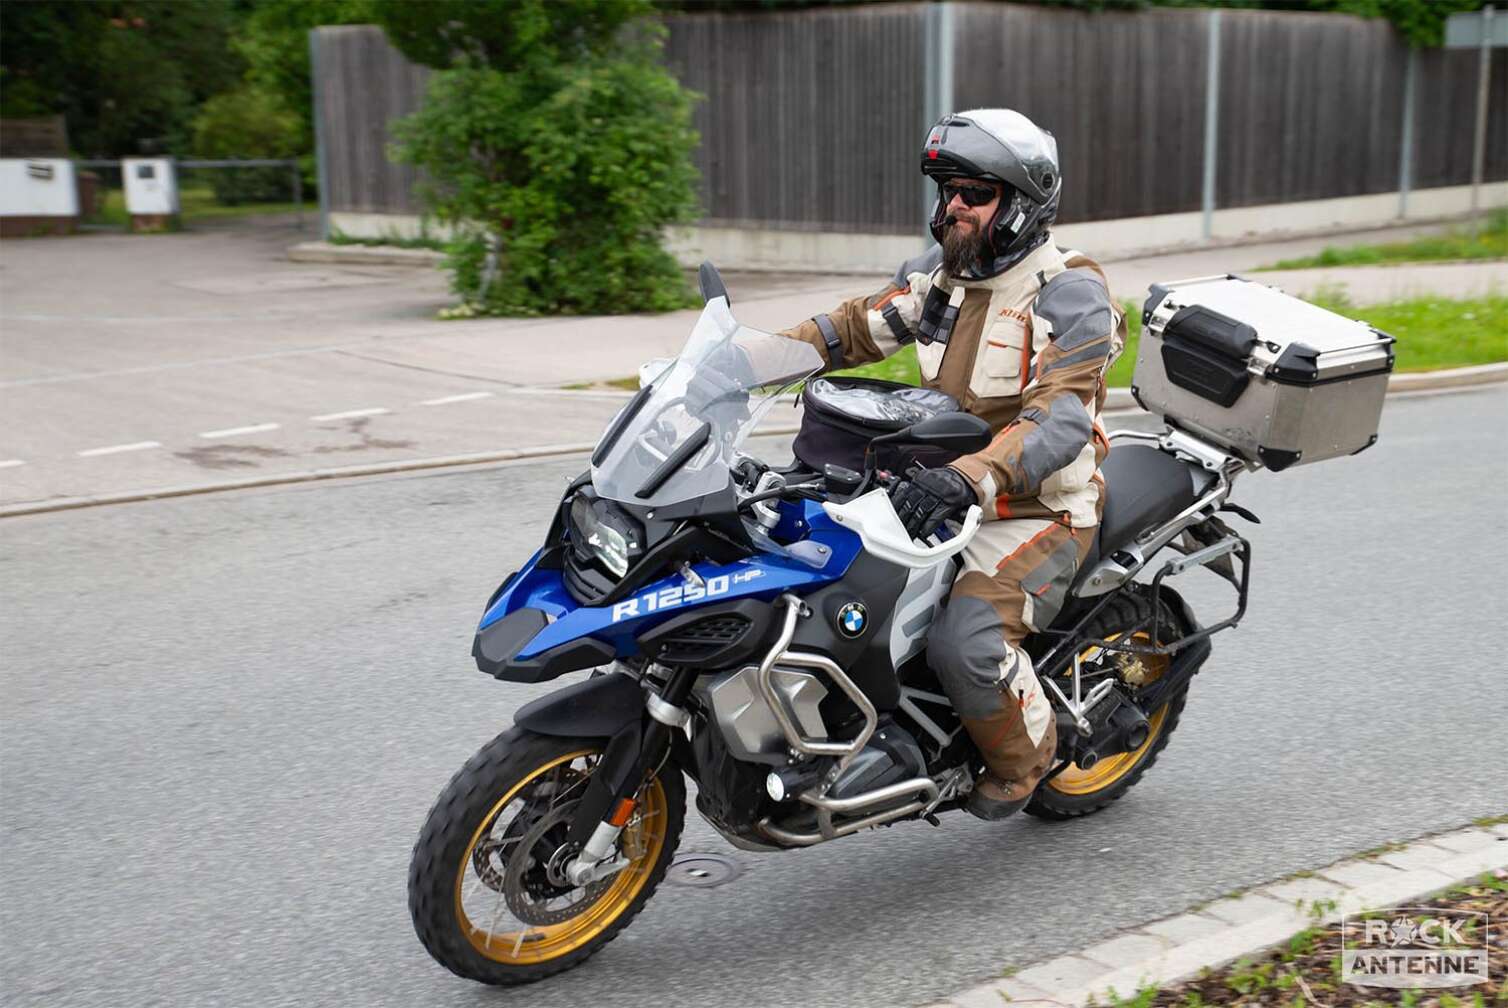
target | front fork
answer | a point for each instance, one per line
(638, 750)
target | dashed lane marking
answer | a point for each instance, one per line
(233, 431)
(117, 449)
(447, 400)
(351, 414)
(8, 463)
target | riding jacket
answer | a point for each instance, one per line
(1026, 350)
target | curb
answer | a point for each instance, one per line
(362, 255)
(327, 252)
(1118, 399)
(1173, 949)
(1413, 381)
(303, 476)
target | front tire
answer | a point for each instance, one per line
(1078, 791)
(483, 889)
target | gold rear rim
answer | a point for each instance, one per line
(483, 910)
(1112, 770)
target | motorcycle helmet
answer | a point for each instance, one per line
(1006, 147)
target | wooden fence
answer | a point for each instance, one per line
(361, 83)
(813, 119)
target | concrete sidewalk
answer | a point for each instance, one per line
(1161, 953)
(133, 362)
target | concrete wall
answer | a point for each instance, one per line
(38, 187)
(832, 252)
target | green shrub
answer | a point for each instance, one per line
(249, 123)
(564, 164)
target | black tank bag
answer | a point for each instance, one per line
(841, 415)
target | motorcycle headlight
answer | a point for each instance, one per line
(604, 535)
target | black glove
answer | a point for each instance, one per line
(929, 498)
(721, 383)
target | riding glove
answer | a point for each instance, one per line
(720, 384)
(929, 498)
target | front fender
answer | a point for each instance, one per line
(598, 707)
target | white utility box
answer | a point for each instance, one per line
(151, 186)
(37, 196)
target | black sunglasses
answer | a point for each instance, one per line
(972, 195)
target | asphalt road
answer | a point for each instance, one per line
(225, 717)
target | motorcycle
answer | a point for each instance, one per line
(762, 630)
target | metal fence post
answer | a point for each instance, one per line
(298, 193)
(1479, 145)
(321, 165)
(1211, 122)
(937, 98)
(1406, 137)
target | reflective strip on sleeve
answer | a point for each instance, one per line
(1097, 351)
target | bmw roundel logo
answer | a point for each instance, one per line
(852, 619)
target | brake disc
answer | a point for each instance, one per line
(489, 858)
(534, 877)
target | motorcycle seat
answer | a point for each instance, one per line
(1143, 487)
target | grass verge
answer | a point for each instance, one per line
(194, 203)
(1432, 333)
(1306, 970)
(1491, 242)
(338, 237)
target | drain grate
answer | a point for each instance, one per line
(702, 871)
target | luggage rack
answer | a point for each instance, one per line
(1130, 560)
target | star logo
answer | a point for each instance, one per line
(1402, 932)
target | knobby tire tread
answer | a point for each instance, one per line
(1119, 615)
(447, 833)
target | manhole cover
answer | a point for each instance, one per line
(702, 871)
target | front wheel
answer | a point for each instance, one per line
(486, 887)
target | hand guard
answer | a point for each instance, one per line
(929, 498)
(720, 385)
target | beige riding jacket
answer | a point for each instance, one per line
(1028, 353)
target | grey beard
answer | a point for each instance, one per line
(961, 250)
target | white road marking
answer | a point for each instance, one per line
(233, 431)
(351, 414)
(8, 463)
(116, 449)
(447, 400)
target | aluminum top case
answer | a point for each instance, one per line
(1264, 375)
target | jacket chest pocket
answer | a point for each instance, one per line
(1004, 358)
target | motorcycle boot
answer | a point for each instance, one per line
(1014, 765)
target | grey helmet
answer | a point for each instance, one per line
(1003, 146)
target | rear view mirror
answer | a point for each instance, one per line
(963, 433)
(711, 283)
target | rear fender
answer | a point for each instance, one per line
(1183, 609)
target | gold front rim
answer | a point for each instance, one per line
(1077, 781)
(518, 943)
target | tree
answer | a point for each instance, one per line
(126, 74)
(557, 145)
(247, 123)
(274, 43)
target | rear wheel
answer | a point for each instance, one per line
(1078, 791)
(487, 890)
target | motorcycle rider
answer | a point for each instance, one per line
(1020, 333)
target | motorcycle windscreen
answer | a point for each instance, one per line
(680, 440)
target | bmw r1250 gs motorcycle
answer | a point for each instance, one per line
(763, 631)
